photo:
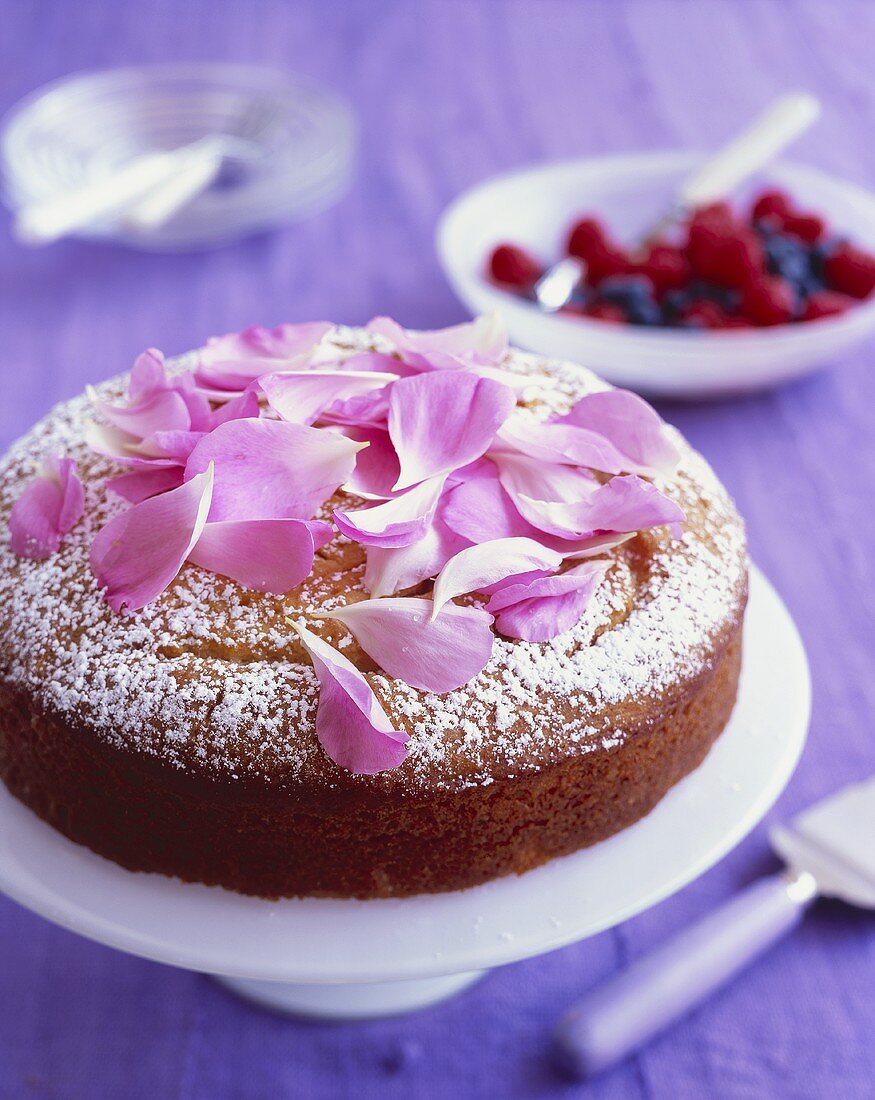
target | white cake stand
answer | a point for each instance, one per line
(358, 959)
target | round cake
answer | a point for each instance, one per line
(192, 735)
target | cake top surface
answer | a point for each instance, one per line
(213, 676)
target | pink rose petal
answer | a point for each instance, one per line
(363, 410)
(547, 606)
(47, 509)
(352, 727)
(590, 547)
(301, 396)
(243, 407)
(391, 570)
(523, 476)
(620, 505)
(231, 363)
(258, 342)
(177, 445)
(147, 482)
(481, 510)
(443, 420)
(396, 522)
(147, 375)
(483, 340)
(162, 411)
(139, 552)
(268, 469)
(631, 425)
(376, 466)
(270, 555)
(113, 443)
(399, 634)
(477, 567)
(560, 443)
(375, 361)
(200, 414)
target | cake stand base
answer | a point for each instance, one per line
(362, 1001)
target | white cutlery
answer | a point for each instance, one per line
(107, 196)
(829, 851)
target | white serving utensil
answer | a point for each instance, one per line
(829, 852)
(759, 143)
(110, 195)
(196, 170)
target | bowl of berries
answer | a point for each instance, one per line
(731, 297)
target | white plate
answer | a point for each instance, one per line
(432, 936)
(536, 207)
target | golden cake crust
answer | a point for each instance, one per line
(200, 708)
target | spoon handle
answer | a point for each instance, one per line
(617, 1017)
(755, 146)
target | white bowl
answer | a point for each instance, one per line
(535, 209)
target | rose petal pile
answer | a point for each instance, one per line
(231, 465)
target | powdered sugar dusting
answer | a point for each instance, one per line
(209, 676)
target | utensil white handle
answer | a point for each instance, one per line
(46, 221)
(767, 135)
(622, 1014)
(196, 172)
(122, 188)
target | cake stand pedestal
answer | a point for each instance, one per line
(346, 959)
(363, 1001)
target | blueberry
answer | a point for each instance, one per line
(626, 289)
(819, 253)
(673, 302)
(579, 296)
(787, 257)
(809, 285)
(724, 297)
(644, 313)
(765, 227)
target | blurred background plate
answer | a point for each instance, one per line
(293, 145)
(536, 207)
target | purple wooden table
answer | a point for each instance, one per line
(449, 93)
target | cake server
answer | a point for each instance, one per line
(760, 142)
(828, 851)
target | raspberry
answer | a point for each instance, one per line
(736, 322)
(606, 265)
(667, 268)
(768, 300)
(807, 227)
(588, 239)
(826, 303)
(740, 259)
(850, 270)
(724, 253)
(512, 266)
(714, 214)
(772, 203)
(575, 309)
(607, 311)
(703, 246)
(703, 314)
